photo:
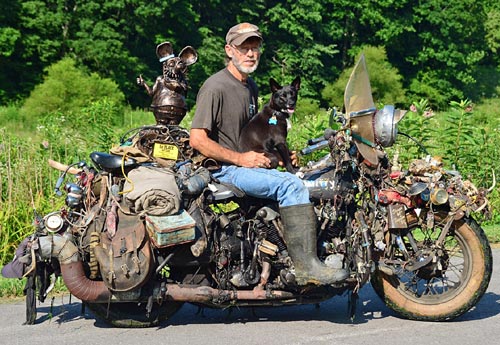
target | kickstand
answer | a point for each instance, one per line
(352, 304)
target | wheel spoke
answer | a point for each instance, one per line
(442, 276)
(434, 281)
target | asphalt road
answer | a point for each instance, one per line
(328, 324)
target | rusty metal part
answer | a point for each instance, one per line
(93, 264)
(82, 287)
(63, 167)
(96, 291)
(72, 269)
(207, 294)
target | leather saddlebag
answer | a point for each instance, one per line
(125, 261)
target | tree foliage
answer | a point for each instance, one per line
(443, 50)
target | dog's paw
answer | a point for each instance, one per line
(299, 174)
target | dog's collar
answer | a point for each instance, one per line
(273, 120)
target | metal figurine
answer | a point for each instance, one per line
(170, 89)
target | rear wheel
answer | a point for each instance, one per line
(134, 315)
(441, 283)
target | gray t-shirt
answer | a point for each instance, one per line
(223, 107)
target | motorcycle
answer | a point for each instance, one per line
(148, 228)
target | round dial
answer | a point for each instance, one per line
(53, 222)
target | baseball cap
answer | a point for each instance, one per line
(241, 32)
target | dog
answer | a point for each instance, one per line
(267, 131)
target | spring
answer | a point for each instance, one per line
(93, 264)
(273, 236)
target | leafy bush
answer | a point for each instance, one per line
(427, 85)
(66, 89)
(308, 126)
(93, 127)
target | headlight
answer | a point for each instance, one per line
(74, 197)
(385, 125)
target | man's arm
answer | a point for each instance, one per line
(200, 141)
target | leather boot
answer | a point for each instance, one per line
(299, 222)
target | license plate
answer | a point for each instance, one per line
(165, 151)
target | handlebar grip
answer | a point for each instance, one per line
(59, 182)
(311, 148)
(328, 133)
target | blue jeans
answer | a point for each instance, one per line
(283, 187)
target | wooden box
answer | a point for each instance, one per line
(170, 230)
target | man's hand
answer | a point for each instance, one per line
(293, 158)
(252, 159)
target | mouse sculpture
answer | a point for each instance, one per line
(170, 89)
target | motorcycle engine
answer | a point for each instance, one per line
(246, 248)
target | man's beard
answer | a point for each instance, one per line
(246, 70)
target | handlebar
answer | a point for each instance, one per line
(311, 148)
(318, 143)
(59, 182)
(82, 165)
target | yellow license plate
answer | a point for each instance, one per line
(165, 151)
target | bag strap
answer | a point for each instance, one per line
(135, 259)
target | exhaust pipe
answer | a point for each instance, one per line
(92, 291)
(202, 294)
(72, 269)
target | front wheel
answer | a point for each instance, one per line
(452, 281)
(134, 315)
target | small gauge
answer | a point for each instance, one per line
(54, 222)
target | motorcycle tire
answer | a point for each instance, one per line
(133, 315)
(400, 291)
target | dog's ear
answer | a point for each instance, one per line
(274, 85)
(296, 83)
(189, 55)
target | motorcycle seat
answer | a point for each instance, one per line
(112, 163)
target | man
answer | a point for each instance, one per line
(225, 103)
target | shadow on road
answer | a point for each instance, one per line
(368, 307)
(488, 306)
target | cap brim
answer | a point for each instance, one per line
(239, 40)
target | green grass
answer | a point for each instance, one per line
(492, 232)
(13, 288)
